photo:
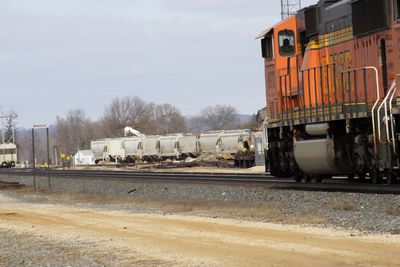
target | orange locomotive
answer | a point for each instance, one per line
(332, 99)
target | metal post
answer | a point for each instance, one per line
(365, 91)
(355, 92)
(48, 158)
(33, 159)
(2, 126)
(316, 94)
(321, 75)
(329, 92)
(335, 88)
(55, 156)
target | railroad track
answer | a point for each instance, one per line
(237, 179)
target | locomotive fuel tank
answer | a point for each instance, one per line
(316, 156)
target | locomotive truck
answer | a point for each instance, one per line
(331, 74)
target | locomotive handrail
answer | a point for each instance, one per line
(391, 115)
(320, 68)
(377, 99)
(384, 104)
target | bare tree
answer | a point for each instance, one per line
(73, 132)
(195, 124)
(127, 111)
(169, 119)
(219, 117)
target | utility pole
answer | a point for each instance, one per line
(2, 125)
(289, 8)
(10, 119)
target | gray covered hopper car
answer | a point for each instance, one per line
(189, 146)
(8, 155)
(169, 146)
(133, 148)
(99, 149)
(151, 148)
(230, 142)
(209, 142)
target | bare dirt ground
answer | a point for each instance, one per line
(86, 236)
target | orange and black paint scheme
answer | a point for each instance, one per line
(331, 73)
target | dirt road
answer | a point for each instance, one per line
(196, 241)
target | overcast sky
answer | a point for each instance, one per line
(57, 55)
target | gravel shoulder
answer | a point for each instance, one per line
(77, 229)
(362, 212)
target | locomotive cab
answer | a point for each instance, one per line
(282, 57)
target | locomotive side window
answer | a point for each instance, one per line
(286, 43)
(267, 47)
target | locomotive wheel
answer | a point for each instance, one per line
(308, 179)
(391, 178)
(376, 177)
(297, 177)
(318, 179)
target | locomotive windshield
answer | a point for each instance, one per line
(286, 43)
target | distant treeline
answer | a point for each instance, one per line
(75, 130)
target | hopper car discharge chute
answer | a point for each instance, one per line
(333, 106)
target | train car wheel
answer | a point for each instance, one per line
(361, 176)
(308, 179)
(391, 178)
(318, 179)
(298, 177)
(376, 177)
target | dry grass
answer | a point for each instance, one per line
(390, 210)
(341, 205)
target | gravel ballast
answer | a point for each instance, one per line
(365, 212)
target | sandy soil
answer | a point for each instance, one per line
(196, 241)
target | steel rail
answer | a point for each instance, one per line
(237, 179)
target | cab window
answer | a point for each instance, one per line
(267, 47)
(286, 43)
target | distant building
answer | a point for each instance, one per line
(84, 157)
